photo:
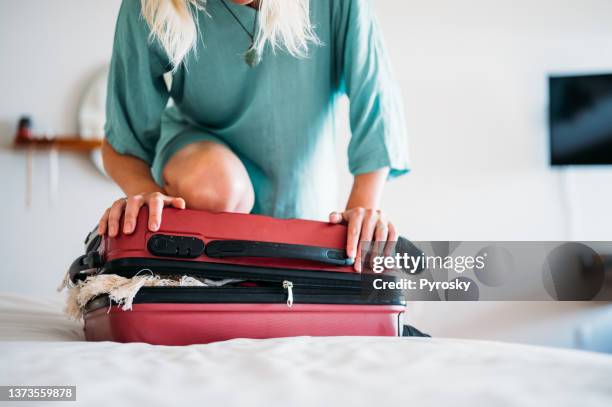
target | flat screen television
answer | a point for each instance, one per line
(580, 119)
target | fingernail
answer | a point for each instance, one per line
(153, 226)
(128, 227)
(112, 231)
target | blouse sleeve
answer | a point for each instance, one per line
(376, 111)
(137, 93)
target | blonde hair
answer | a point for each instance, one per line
(283, 24)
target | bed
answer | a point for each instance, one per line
(39, 346)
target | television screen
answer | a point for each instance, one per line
(580, 119)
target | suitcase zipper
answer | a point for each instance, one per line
(243, 295)
(288, 285)
(311, 278)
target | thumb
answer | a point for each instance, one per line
(178, 203)
(335, 217)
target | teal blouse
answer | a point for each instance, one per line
(278, 117)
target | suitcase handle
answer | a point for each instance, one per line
(88, 261)
(250, 248)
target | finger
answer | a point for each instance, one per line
(336, 217)
(102, 226)
(393, 235)
(114, 217)
(367, 233)
(132, 208)
(391, 239)
(170, 200)
(178, 203)
(368, 226)
(380, 238)
(156, 206)
(354, 229)
(381, 232)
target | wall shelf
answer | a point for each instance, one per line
(60, 143)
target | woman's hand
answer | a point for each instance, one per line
(364, 225)
(130, 206)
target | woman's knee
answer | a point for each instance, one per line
(209, 176)
(216, 195)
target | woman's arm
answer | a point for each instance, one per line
(131, 174)
(137, 96)
(134, 177)
(377, 149)
(367, 189)
(366, 222)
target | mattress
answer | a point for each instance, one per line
(39, 346)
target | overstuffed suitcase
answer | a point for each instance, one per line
(299, 282)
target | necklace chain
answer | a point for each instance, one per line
(251, 35)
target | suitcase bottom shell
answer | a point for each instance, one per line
(186, 324)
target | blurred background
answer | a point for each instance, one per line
(474, 75)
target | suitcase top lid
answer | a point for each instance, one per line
(228, 245)
(231, 238)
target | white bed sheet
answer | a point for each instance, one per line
(39, 346)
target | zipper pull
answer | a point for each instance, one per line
(288, 285)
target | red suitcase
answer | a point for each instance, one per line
(300, 282)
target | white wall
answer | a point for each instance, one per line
(474, 78)
(473, 74)
(49, 52)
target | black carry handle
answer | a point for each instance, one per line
(88, 261)
(249, 248)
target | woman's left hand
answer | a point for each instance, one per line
(364, 225)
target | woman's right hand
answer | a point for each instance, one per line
(130, 206)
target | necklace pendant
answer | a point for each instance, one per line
(252, 57)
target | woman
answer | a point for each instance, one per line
(250, 129)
